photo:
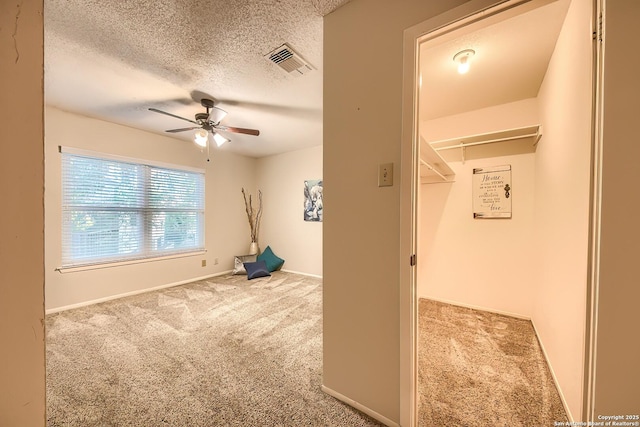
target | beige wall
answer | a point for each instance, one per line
(227, 230)
(499, 117)
(281, 179)
(562, 204)
(363, 77)
(455, 264)
(483, 263)
(22, 355)
(618, 367)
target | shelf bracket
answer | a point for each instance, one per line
(538, 136)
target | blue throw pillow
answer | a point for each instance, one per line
(256, 269)
(273, 262)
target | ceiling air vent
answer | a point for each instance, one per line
(285, 58)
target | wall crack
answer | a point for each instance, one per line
(15, 33)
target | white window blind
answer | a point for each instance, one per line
(116, 210)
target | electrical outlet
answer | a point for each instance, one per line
(215, 261)
(385, 175)
(204, 262)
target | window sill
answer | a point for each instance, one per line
(64, 270)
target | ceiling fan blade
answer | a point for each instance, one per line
(182, 129)
(238, 130)
(155, 110)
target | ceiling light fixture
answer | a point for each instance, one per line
(201, 137)
(462, 58)
(216, 115)
(219, 139)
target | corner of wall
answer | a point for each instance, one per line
(22, 359)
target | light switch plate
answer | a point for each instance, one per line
(385, 175)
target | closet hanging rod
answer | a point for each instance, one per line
(490, 141)
(431, 168)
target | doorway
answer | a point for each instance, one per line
(532, 265)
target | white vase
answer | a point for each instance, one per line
(253, 248)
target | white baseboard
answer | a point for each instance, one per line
(373, 414)
(477, 307)
(127, 294)
(302, 274)
(553, 374)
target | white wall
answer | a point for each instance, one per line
(22, 347)
(227, 230)
(281, 179)
(562, 203)
(484, 263)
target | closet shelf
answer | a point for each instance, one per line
(534, 131)
(433, 167)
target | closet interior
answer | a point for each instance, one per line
(523, 106)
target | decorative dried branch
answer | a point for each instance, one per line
(254, 218)
(258, 217)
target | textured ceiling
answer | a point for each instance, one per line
(113, 60)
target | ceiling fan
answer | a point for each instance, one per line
(208, 124)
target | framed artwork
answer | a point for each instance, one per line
(492, 192)
(313, 200)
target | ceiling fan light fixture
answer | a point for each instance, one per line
(216, 115)
(219, 139)
(207, 124)
(201, 137)
(462, 59)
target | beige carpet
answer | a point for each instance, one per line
(219, 352)
(482, 369)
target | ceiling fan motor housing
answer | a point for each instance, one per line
(202, 117)
(207, 103)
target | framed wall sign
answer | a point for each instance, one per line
(492, 192)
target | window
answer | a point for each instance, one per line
(118, 210)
